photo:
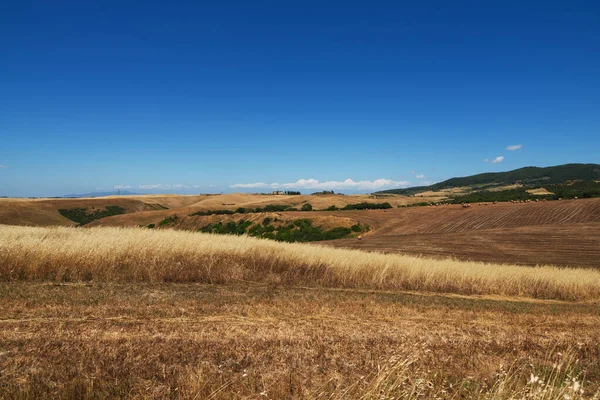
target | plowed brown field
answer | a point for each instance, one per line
(454, 218)
(565, 233)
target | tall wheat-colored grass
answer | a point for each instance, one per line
(142, 255)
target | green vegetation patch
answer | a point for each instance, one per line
(283, 207)
(580, 189)
(361, 206)
(242, 210)
(169, 220)
(215, 212)
(367, 206)
(301, 230)
(82, 216)
(501, 195)
(323, 193)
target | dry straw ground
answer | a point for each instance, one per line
(134, 313)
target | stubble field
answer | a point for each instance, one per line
(136, 313)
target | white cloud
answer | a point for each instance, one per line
(159, 186)
(413, 172)
(497, 160)
(3, 166)
(163, 186)
(251, 185)
(168, 186)
(514, 147)
(486, 160)
(347, 184)
(122, 187)
(421, 176)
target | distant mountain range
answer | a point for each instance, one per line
(527, 176)
(102, 194)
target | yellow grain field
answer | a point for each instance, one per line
(141, 255)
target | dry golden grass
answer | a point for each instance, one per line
(142, 255)
(167, 200)
(539, 191)
(192, 341)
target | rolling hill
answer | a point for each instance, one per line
(527, 176)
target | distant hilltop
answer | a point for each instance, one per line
(527, 176)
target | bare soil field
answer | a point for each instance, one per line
(563, 245)
(564, 233)
(455, 218)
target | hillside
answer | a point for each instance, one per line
(46, 212)
(528, 176)
(146, 209)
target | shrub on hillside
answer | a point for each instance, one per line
(169, 220)
(301, 230)
(367, 206)
(81, 215)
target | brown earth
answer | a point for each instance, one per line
(564, 245)
(565, 233)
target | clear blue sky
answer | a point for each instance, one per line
(200, 96)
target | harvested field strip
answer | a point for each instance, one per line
(190, 341)
(140, 255)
